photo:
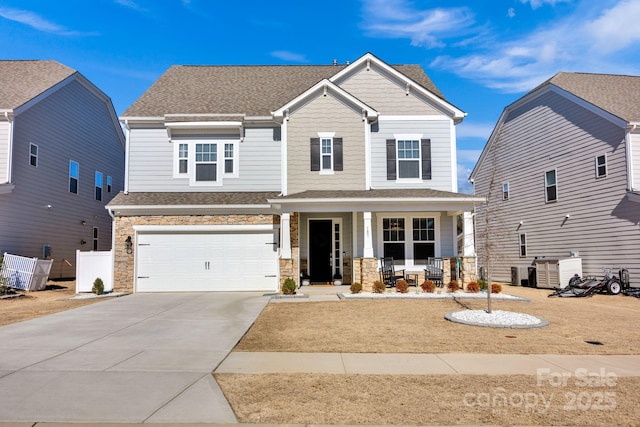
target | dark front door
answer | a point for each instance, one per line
(320, 250)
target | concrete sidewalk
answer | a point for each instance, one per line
(428, 364)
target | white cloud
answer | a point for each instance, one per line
(589, 43)
(472, 130)
(617, 28)
(464, 186)
(289, 56)
(539, 3)
(511, 12)
(37, 22)
(397, 19)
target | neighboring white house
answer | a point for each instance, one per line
(61, 161)
(562, 174)
(241, 176)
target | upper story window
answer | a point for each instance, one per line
(109, 184)
(98, 192)
(326, 153)
(505, 191)
(550, 186)
(183, 158)
(206, 162)
(33, 155)
(74, 176)
(601, 166)
(408, 158)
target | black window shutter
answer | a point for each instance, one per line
(315, 154)
(426, 158)
(337, 154)
(391, 159)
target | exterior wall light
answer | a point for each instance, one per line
(128, 244)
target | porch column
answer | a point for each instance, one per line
(468, 245)
(285, 236)
(368, 236)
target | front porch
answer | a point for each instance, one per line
(343, 238)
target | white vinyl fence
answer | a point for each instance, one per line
(90, 266)
(28, 274)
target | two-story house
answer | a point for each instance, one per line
(238, 177)
(61, 161)
(561, 171)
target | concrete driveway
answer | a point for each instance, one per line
(139, 358)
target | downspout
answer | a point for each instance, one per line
(283, 153)
(126, 156)
(11, 121)
(630, 171)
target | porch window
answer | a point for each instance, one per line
(393, 233)
(424, 236)
(206, 162)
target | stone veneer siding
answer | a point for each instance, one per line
(290, 268)
(124, 263)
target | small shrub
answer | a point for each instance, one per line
(428, 286)
(402, 286)
(98, 287)
(496, 288)
(379, 287)
(453, 286)
(289, 286)
(473, 287)
(355, 288)
(483, 284)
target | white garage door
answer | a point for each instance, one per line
(196, 261)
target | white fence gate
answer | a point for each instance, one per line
(90, 266)
(28, 274)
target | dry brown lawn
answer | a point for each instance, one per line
(409, 326)
(418, 326)
(40, 303)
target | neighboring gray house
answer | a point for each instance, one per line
(61, 161)
(562, 174)
(241, 176)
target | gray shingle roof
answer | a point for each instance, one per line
(191, 199)
(252, 90)
(21, 81)
(616, 94)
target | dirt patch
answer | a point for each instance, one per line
(418, 326)
(52, 299)
(428, 400)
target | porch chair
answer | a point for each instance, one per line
(434, 271)
(389, 274)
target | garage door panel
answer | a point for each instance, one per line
(206, 262)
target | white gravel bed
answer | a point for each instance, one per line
(496, 319)
(93, 296)
(427, 295)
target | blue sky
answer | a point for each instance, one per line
(483, 55)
